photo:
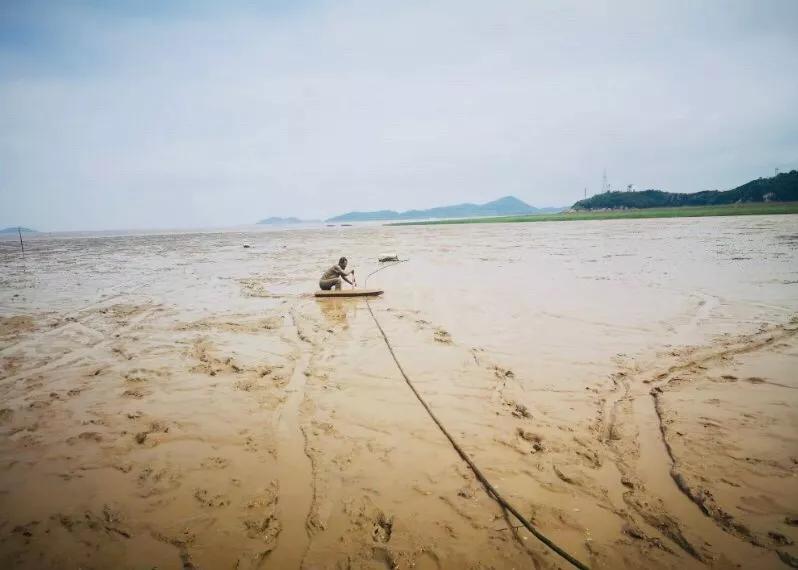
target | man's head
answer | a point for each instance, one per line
(342, 263)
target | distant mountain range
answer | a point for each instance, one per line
(274, 221)
(780, 188)
(507, 206)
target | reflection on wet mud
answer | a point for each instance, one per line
(336, 311)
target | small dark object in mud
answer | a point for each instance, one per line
(791, 520)
(442, 336)
(779, 538)
(383, 528)
(521, 411)
(755, 380)
(246, 246)
(141, 436)
(533, 438)
(633, 531)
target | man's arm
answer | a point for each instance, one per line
(343, 274)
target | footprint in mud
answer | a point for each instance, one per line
(532, 438)
(26, 530)
(442, 336)
(144, 375)
(755, 380)
(29, 440)
(34, 382)
(468, 491)
(261, 521)
(383, 528)
(519, 410)
(266, 527)
(215, 463)
(244, 385)
(109, 521)
(6, 414)
(502, 373)
(568, 475)
(208, 500)
(280, 381)
(122, 312)
(250, 445)
(122, 353)
(208, 363)
(156, 482)
(154, 427)
(90, 436)
(137, 394)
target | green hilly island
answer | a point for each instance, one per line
(763, 196)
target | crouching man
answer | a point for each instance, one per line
(332, 277)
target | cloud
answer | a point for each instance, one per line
(211, 115)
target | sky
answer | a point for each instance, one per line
(150, 114)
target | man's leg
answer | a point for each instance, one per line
(337, 285)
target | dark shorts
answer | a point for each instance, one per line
(327, 284)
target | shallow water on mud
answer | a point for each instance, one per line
(189, 403)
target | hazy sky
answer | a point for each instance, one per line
(138, 115)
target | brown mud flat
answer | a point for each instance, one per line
(178, 402)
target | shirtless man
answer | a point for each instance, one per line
(332, 277)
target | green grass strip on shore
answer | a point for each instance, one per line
(749, 209)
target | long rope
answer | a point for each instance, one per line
(366, 282)
(491, 490)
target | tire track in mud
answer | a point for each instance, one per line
(294, 466)
(622, 388)
(70, 318)
(698, 496)
(74, 356)
(655, 477)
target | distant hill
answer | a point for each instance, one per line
(507, 206)
(13, 230)
(781, 188)
(274, 221)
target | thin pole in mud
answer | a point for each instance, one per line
(22, 245)
(489, 488)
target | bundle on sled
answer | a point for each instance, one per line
(388, 257)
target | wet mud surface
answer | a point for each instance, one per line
(179, 401)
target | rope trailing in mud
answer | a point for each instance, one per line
(492, 492)
(366, 282)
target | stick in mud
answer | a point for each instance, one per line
(19, 230)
